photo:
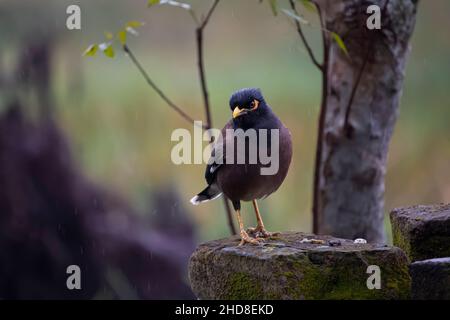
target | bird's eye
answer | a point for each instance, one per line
(254, 104)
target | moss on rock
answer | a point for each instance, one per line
(423, 232)
(286, 268)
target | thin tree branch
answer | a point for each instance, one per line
(321, 126)
(226, 203)
(323, 107)
(208, 15)
(201, 65)
(201, 70)
(302, 36)
(155, 87)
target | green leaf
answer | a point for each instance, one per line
(295, 17)
(122, 36)
(176, 4)
(107, 49)
(131, 25)
(152, 2)
(132, 31)
(91, 50)
(309, 5)
(134, 24)
(182, 5)
(109, 52)
(109, 35)
(339, 42)
(274, 7)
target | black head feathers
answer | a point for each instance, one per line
(244, 97)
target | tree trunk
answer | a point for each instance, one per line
(361, 106)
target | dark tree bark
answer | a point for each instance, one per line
(361, 106)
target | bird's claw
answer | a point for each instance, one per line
(245, 238)
(261, 233)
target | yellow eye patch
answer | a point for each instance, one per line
(255, 104)
(237, 111)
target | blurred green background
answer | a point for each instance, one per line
(120, 129)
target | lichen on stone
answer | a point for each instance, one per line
(423, 232)
(286, 268)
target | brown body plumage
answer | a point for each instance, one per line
(245, 181)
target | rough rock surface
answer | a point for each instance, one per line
(431, 279)
(287, 268)
(423, 232)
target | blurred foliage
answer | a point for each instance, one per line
(121, 37)
(120, 129)
(339, 42)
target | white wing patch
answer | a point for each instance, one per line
(216, 159)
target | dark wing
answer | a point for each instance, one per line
(218, 155)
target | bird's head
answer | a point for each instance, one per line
(247, 105)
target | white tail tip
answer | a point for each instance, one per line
(195, 201)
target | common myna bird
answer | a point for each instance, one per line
(244, 180)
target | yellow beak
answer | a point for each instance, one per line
(237, 112)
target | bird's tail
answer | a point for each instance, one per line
(211, 192)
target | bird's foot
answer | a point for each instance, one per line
(245, 238)
(261, 232)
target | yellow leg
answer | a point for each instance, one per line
(260, 231)
(245, 238)
(258, 216)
